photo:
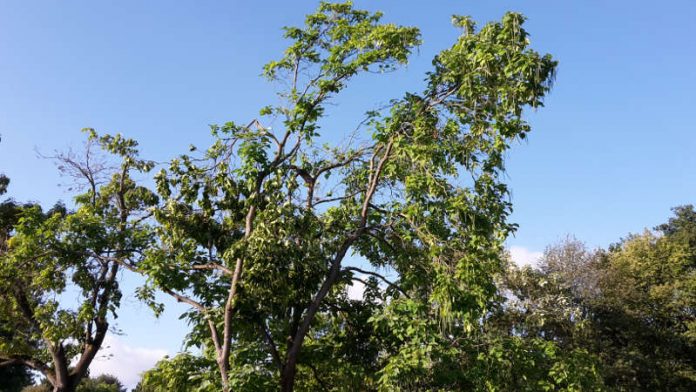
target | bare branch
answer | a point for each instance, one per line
(184, 299)
(213, 266)
(332, 199)
(274, 349)
(89, 168)
(374, 181)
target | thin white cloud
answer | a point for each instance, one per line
(523, 256)
(125, 362)
(356, 290)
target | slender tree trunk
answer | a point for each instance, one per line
(65, 388)
(62, 376)
(65, 384)
(223, 365)
(224, 355)
(287, 378)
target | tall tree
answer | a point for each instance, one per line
(551, 301)
(103, 383)
(49, 254)
(255, 234)
(645, 318)
(14, 377)
(632, 307)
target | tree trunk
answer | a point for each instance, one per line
(67, 387)
(223, 366)
(287, 377)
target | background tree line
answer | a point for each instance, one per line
(631, 306)
(256, 234)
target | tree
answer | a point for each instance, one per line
(49, 253)
(254, 234)
(552, 301)
(540, 325)
(631, 307)
(645, 319)
(14, 377)
(181, 373)
(103, 383)
(681, 228)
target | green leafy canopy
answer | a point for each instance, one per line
(255, 234)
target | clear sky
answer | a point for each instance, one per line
(610, 154)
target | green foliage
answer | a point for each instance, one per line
(263, 233)
(534, 364)
(644, 320)
(253, 234)
(45, 255)
(551, 301)
(631, 308)
(182, 373)
(103, 383)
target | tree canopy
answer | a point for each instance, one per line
(103, 383)
(255, 234)
(47, 254)
(266, 233)
(631, 306)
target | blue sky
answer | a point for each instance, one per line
(610, 154)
